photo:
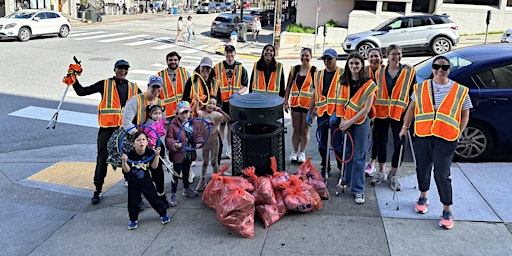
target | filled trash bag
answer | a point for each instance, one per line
(278, 178)
(300, 196)
(236, 210)
(263, 191)
(271, 213)
(310, 174)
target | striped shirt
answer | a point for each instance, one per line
(440, 92)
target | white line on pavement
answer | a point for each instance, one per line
(121, 38)
(148, 41)
(87, 33)
(100, 36)
(65, 116)
(163, 47)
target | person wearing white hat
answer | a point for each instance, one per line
(201, 85)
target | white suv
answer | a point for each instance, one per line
(434, 33)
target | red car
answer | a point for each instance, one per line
(247, 5)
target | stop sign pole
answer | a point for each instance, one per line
(318, 8)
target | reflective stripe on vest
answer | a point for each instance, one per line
(142, 103)
(274, 83)
(228, 89)
(109, 110)
(356, 103)
(301, 98)
(443, 123)
(394, 107)
(172, 92)
(323, 103)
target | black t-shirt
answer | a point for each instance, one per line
(328, 76)
(353, 87)
(139, 170)
(121, 86)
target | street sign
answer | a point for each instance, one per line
(318, 8)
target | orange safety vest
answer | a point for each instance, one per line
(142, 103)
(197, 88)
(348, 108)
(301, 98)
(258, 83)
(394, 107)
(109, 110)
(323, 103)
(172, 92)
(443, 123)
(227, 89)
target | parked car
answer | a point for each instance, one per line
(224, 24)
(206, 8)
(266, 17)
(220, 7)
(486, 70)
(230, 6)
(435, 33)
(507, 36)
(247, 5)
(27, 23)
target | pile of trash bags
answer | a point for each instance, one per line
(236, 198)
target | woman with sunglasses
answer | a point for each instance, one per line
(394, 82)
(267, 73)
(440, 108)
(354, 102)
(298, 91)
(375, 59)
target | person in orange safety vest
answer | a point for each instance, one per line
(115, 93)
(267, 73)
(440, 108)
(174, 78)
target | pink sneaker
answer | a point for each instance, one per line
(370, 169)
(446, 219)
(421, 205)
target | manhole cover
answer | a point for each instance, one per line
(99, 59)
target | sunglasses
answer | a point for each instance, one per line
(325, 57)
(443, 67)
(123, 67)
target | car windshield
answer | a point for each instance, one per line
(20, 15)
(224, 19)
(424, 69)
(382, 25)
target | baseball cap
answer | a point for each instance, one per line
(121, 63)
(206, 61)
(331, 53)
(183, 106)
(155, 80)
(229, 47)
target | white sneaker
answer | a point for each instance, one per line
(301, 157)
(191, 176)
(293, 156)
(193, 164)
(228, 154)
(359, 198)
(125, 183)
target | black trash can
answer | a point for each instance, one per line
(258, 132)
(242, 32)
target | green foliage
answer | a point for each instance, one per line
(331, 23)
(298, 28)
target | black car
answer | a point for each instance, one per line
(487, 71)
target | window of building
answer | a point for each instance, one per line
(509, 2)
(476, 2)
(393, 7)
(420, 6)
(366, 5)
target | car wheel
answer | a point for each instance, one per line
(24, 34)
(64, 31)
(475, 143)
(441, 45)
(363, 49)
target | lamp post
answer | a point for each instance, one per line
(316, 25)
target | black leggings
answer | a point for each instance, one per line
(381, 131)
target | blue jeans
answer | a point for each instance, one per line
(190, 34)
(354, 170)
(323, 129)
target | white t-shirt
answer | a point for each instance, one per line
(440, 92)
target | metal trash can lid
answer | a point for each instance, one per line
(256, 100)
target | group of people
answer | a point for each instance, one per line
(183, 26)
(344, 100)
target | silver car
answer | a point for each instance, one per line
(435, 33)
(507, 36)
(206, 8)
(224, 24)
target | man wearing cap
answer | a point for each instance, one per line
(115, 92)
(201, 85)
(174, 78)
(326, 84)
(232, 81)
(135, 114)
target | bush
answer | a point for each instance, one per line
(331, 23)
(294, 28)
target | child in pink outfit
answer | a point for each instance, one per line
(156, 121)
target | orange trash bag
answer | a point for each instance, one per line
(263, 191)
(271, 213)
(310, 174)
(278, 178)
(211, 193)
(236, 210)
(301, 197)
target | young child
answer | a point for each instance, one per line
(214, 115)
(190, 136)
(139, 181)
(156, 121)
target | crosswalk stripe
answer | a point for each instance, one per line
(100, 36)
(143, 72)
(148, 41)
(86, 34)
(121, 38)
(65, 116)
(189, 51)
(163, 47)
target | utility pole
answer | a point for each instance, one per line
(316, 25)
(278, 10)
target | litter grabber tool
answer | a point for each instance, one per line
(395, 195)
(341, 184)
(412, 148)
(69, 79)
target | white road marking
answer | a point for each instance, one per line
(99, 36)
(121, 38)
(87, 33)
(163, 47)
(148, 41)
(65, 116)
(189, 51)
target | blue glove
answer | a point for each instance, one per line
(309, 119)
(234, 95)
(333, 120)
